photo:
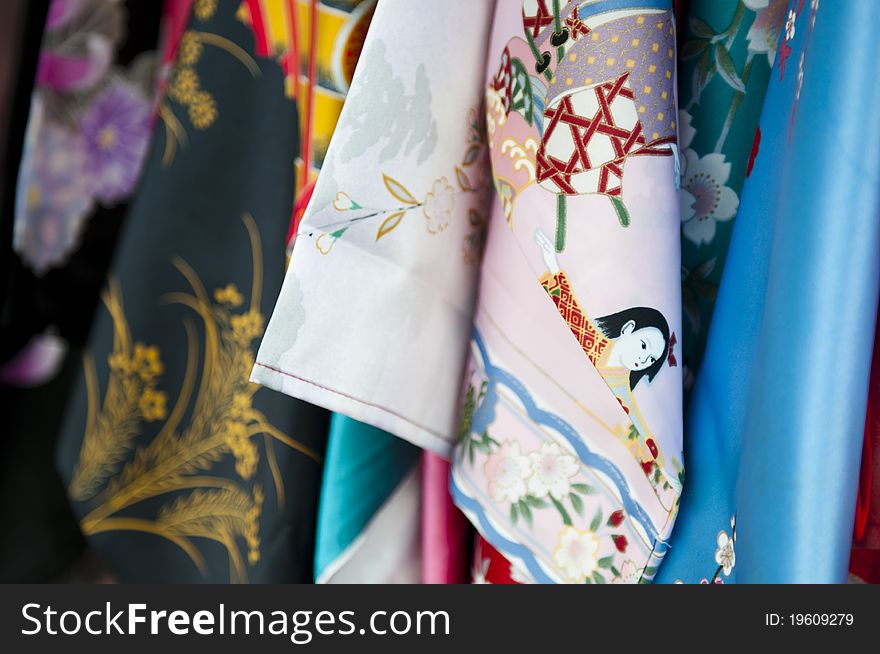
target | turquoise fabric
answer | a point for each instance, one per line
(362, 468)
(719, 111)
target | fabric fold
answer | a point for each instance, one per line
(444, 529)
(773, 439)
(377, 302)
(569, 455)
(369, 509)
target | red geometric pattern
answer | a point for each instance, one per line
(592, 341)
(503, 81)
(626, 142)
(535, 23)
(576, 27)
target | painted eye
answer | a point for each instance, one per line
(643, 346)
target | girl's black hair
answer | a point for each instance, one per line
(612, 326)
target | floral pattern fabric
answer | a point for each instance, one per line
(569, 456)
(729, 47)
(754, 430)
(568, 469)
(178, 468)
(389, 244)
(88, 132)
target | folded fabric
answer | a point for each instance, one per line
(774, 440)
(569, 458)
(445, 535)
(370, 506)
(368, 519)
(376, 305)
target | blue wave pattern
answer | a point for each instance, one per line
(485, 415)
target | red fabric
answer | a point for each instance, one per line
(299, 209)
(490, 567)
(291, 60)
(310, 92)
(865, 558)
(679, 7)
(175, 15)
(258, 24)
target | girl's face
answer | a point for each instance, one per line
(638, 349)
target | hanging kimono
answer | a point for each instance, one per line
(338, 297)
(729, 48)
(368, 521)
(178, 468)
(774, 441)
(95, 84)
(367, 529)
(568, 456)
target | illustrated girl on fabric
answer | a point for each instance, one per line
(625, 347)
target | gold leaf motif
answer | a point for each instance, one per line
(463, 181)
(389, 224)
(398, 190)
(223, 423)
(220, 515)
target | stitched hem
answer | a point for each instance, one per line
(366, 411)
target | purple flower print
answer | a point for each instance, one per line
(53, 199)
(116, 131)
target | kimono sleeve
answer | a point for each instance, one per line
(375, 313)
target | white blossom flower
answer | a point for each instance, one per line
(629, 573)
(790, 25)
(705, 180)
(577, 553)
(686, 131)
(552, 471)
(725, 556)
(343, 202)
(439, 204)
(763, 35)
(507, 471)
(327, 240)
